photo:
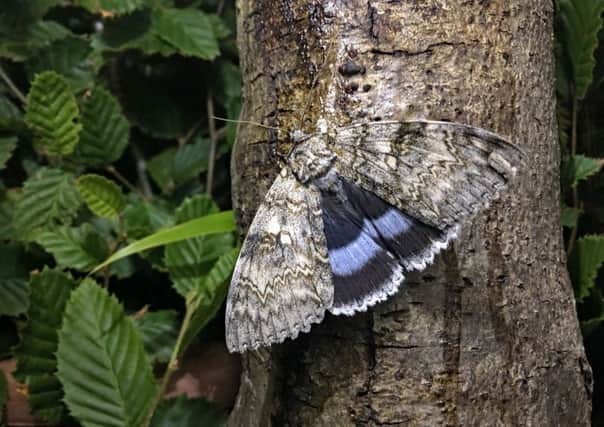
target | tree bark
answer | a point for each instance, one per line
(486, 336)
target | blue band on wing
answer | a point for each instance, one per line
(370, 244)
(360, 265)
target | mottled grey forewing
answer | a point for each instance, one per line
(282, 281)
(438, 172)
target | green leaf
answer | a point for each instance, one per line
(36, 360)
(569, 216)
(20, 46)
(11, 117)
(580, 22)
(230, 83)
(70, 57)
(48, 197)
(7, 210)
(584, 167)
(189, 261)
(7, 146)
(204, 301)
(14, 296)
(78, 248)
(176, 166)
(184, 412)
(144, 218)
(579, 168)
(117, 7)
(102, 363)
(216, 223)
(105, 129)
(589, 326)
(584, 263)
(132, 31)
(159, 330)
(191, 31)
(52, 114)
(103, 196)
(3, 395)
(220, 28)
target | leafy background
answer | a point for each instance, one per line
(580, 94)
(108, 148)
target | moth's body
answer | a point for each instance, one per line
(350, 213)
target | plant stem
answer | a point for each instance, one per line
(575, 191)
(172, 365)
(213, 143)
(12, 86)
(113, 171)
(141, 167)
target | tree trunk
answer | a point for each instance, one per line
(486, 336)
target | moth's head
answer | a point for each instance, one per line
(310, 159)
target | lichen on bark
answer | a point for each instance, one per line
(486, 336)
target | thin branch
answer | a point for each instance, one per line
(220, 8)
(141, 168)
(172, 365)
(113, 171)
(182, 141)
(213, 143)
(12, 86)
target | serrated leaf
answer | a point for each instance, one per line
(103, 196)
(205, 299)
(144, 218)
(220, 28)
(36, 360)
(580, 21)
(188, 30)
(189, 261)
(78, 248)
(11, 117)
(14, 296)
(159, 330)
(49, 197)
(105, 130)
(69, 57)
(7, 146)
(569, 216)
(132, 31)
(584, 263)
(176, 166)
(585, 167)
(216, 223)
(52, 114)
(184, 412)
(579, 168)
(7, 210)
(102, 363)
(111, 7)
(20, 46)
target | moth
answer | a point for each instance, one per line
(351, 213)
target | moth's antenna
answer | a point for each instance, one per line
(247, 122)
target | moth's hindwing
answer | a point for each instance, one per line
(282, 281)
(371, 245)
(438, 172)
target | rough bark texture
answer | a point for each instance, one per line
(489, 334)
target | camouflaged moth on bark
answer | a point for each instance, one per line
(351, 213)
